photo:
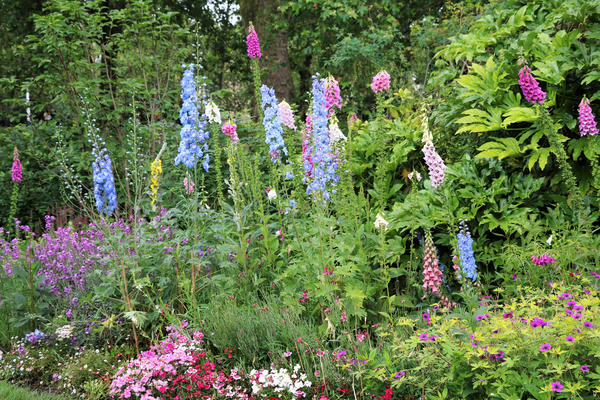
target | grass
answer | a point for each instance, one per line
(11, 392)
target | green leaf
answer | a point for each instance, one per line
(480, 121)
(519, 114)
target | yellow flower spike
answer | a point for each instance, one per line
(156, 170)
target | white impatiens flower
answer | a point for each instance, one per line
(335, 133)
(381, 223)
(213, 113)
(271, 194)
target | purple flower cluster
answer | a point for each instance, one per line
(587, 122)
(66, 257)
(535, 322)
(35, 336)
(530, 87)
(544, 259)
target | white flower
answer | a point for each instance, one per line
(418, 175)
(335, 134)
(213, 113)
(381, 223)
(549, 241)
(427, 136)
(272, 195)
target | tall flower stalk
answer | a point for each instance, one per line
(193, 146)
(587, 126)
(156, 171)
(379, 85)
(433, 160)
(214, 118)
(272, 124)
(324, 163)
(104, 182)
(16, 176)
(561, 156)
(254, 54)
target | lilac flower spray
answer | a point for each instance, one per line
(433, 160)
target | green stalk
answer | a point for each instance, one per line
(216, 144)
(565, 168)
(257, 85)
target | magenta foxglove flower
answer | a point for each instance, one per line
(252, 43)
(333, 98)
(230, 130)
(530, 87)
(587, 122)
(17, 169)
(381, 82)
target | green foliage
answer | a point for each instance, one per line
(8, 391)
(486, 99)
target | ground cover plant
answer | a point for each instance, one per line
(228, 242)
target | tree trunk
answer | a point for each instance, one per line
(275, 59)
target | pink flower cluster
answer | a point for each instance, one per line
(587, 122)
(353, 120)
(188, 184)
(176, 369)
(544, 259)
(230, 130)
(252, 43)
(435, 164)
(530, 87)
(17, 170)
(332, 96)
(432, 276)
(381, 82)
(286, 115)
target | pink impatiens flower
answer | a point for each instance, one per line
(587, 122)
